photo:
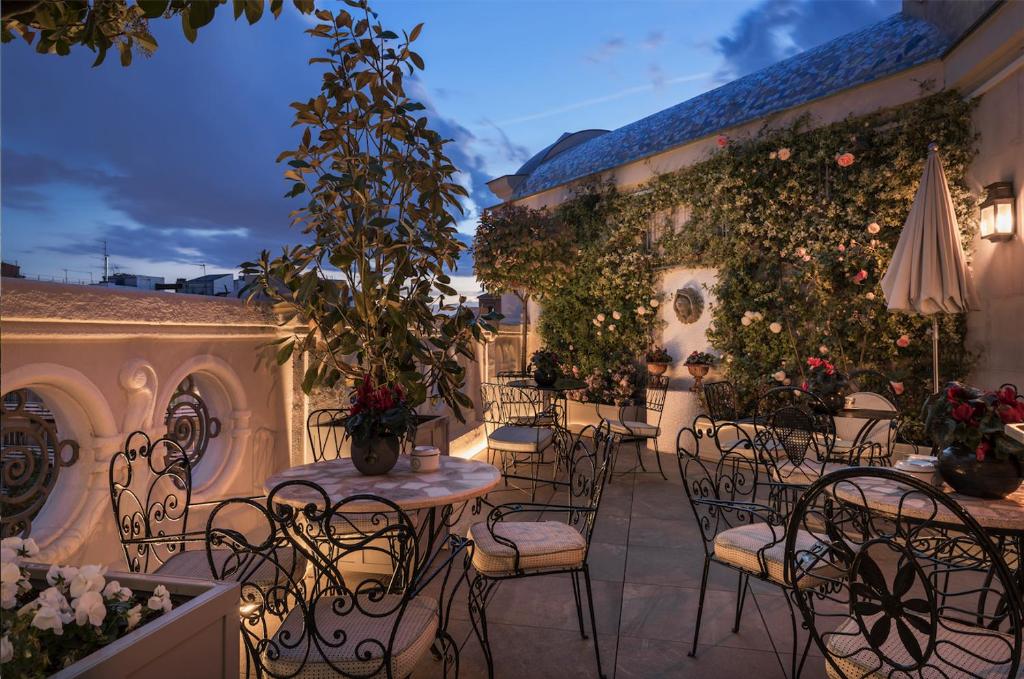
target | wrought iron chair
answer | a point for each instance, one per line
(349, 625)
(325, 429)
(518, 432)
(639, 433)
(867, 379)
(917, 590)
(722, 401)
(505, 548)
(722, 479)
(851, 431)
(151, 495)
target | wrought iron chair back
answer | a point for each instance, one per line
(722, 484)
(655, 393)
(722, 401)
(508, 376)
(511, 405)
(918, 590)
(589, 458)
(325, 429)
(867, 379)
(150, 494)
(822, 422)
(345, 623)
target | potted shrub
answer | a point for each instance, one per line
(966, 424)
(379, 420)
(827, 383)
(658, 360)
(547, 367)
(63, 621)
(698, 363)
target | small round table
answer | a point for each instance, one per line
(871, 417)
(559, 390)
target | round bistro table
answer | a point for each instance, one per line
(435, 502)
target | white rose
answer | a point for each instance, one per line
(757, 316)
(6, 649)
(597, 323)
(779, 376)
(611, 327)
(746, 321)
(134, 614)
(655, 303)
(822, 350)
(873, 227)
(787, 381)
(600, 317)
(90, 608)
(870, 295)
(640, 311)
(775, 327)
(616, 315)
(88, 579)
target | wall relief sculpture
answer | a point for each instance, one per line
(688, 304)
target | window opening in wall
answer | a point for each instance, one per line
(189, 422)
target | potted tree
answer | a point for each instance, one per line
(966, 424)
(368, 294)
(658, 360)
(698, 363)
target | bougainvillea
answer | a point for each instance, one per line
(801, 223)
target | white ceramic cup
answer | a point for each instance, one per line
(425, 459)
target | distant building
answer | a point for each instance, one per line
(8, 270)
(212, 285)
(131, 280)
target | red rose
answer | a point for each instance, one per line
(844, 159)
(897, 388)
(963, 412)
(804, 386)
(722, 141)
(860, 276)
(1008, 395)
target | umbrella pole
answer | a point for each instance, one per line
(935, 353)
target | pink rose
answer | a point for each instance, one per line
(807, 258)
(903, 342)
(842, 248)
(860, 276)
(784, 154)
(844, 159)
(722, 141)
(873, 228)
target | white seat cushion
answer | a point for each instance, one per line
(357, 654)
(519, 439)
(633, 428)
(960, 651)
(804, 474)
(194, 564)
(541, 544)
(739, 547)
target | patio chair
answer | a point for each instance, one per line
(920, 591)
(151, 495)
(351, 625)
(505, 547)
(325, 429)
(639, 433)
(518, 431)
(722, 480)
(851, 431)
(722, 401)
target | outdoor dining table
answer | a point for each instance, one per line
(870, 416)
(559, 390)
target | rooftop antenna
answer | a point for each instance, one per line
(106, 262)
(202, 264)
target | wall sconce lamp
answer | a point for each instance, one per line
(997, 221)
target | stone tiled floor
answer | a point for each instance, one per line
(646, 562)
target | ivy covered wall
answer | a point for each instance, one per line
(801, 223)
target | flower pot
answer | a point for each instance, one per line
(698, 370)
(545, 378)
(657, 368)
(991, 478)
(376, 456)
(833, 403)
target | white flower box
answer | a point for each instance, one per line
(197, 639)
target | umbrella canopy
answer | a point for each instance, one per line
(928, 272)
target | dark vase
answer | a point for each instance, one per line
(545, 378)
(830, 403)
(991, 478)
(376, 456)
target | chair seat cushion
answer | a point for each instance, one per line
(740, 546)
(960, 651)
(352, 640)
(804, 474)
(262, 573)
(519, 439)
(633, 428)
(541, 544)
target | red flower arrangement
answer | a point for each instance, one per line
(379, 411)
(844, 159)
(974, 419)
(826, 382)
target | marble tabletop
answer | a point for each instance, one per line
(457, 480)
(883, 495)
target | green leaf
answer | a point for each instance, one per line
(152, 9)
(126, 53)
(200, 13)
(253, 10)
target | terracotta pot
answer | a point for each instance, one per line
(376, 456)
(698, 370)
(657, 368)
(990, 478)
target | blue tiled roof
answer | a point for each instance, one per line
(895, 44)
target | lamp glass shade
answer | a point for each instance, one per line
(997, 218)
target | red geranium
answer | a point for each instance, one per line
(378, 411)
(975, 419)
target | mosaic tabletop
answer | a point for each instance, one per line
(457, 480)
(885, 495)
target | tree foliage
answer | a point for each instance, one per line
(55, 26)
(369, 288)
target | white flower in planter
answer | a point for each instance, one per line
(134, 615)
(10, 576)
(160, 601)
(89, 579)
(775, 327)
(61, 573)
(114, 590)
(51, 611)
(90, 608)
(6, 649)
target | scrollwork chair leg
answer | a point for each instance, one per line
(479, 590)
(579, 604)
(700, 606)
(593, 620)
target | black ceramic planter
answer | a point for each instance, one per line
(545, 378)
(376, 456)
(991, 478)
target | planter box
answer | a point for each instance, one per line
(198, 639)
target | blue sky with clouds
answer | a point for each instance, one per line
(171, 160)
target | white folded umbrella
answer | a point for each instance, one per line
(928, 272)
